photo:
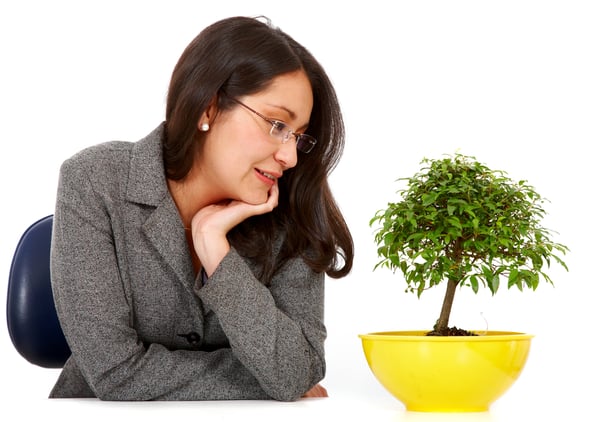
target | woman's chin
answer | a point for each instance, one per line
(255, 199)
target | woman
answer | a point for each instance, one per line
(190, 265)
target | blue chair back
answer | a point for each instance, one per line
(30, 313)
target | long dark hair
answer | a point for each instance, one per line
(240, 56)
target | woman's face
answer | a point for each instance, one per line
(240, 159)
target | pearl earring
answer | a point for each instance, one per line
(204, 127)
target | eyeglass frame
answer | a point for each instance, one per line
(285, 136)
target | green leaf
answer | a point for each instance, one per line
(429, 198)
(474, 283)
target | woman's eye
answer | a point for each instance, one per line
(279, 126)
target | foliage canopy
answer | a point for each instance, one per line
(459, 221)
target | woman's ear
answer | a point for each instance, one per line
(208, 116)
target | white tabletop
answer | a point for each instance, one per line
(541, 393)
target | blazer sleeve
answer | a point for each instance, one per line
(276, 335)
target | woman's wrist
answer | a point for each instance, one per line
(211, 251)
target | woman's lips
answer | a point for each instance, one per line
(266, 177)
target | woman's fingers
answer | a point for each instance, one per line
(224, 216)
(317, 391)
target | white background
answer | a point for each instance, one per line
(514, 83)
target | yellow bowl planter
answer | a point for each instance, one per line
(446, 374)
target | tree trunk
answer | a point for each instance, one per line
(442, 323)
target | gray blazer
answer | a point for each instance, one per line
(138, 322)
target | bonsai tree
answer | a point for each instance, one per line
(460, 222)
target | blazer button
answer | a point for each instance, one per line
(191, 337)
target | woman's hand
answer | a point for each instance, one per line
(211, 224)
(317, 391)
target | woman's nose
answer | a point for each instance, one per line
(287, 154)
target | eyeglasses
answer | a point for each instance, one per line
(280, 130)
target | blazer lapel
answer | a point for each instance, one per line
(163, 228)
(147, 185)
